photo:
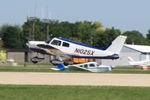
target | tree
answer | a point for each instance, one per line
(135, 37)
(103, 38)
(38, 30)
(90, 33)
(148, 37)
(11, 36)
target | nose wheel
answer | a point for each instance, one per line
(36, 59)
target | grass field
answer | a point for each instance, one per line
(132, 70)
(20, 92)
(24, 69)
(30, 63)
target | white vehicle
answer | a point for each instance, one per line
(138, 63)
(70, 49)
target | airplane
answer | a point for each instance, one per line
(64, 48)
(33, 47)
(90, 66)
(138, 63)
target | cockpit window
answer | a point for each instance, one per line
(85, 66)
(56, 42)
(92, 65)
(65, 44)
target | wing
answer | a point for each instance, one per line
(77, 67)
(53, 51)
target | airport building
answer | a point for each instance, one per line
(24, 55)
(137, 52)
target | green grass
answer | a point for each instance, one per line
(24, 69)
(34, 69)
(128, 70)
(21, 92)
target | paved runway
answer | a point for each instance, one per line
(94, 79)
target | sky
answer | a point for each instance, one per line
(126, 15)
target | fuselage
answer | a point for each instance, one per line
(67, 48)
(92, 66)
(78, 50)
(140, 63)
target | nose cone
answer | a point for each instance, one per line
(33, 44)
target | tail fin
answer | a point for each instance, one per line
(60, 67)
(117, 44)
(130, 59)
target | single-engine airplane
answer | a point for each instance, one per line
(90, 66)
(65, 48)
(138, 63)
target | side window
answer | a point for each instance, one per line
(85, 66)
(56, 42)
(65, 44)
(92, 65)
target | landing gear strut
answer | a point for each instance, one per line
(36, 59)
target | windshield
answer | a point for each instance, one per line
(56, 42)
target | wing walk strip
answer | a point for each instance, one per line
(92, 79)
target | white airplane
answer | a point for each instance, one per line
(138, 63)
(90, 66)
(66, 48)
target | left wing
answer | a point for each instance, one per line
(51, 50)
(43, 48)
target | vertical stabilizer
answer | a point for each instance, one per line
(117, 44)
(130, 59)
(61, 66)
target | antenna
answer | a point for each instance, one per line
(35, 9)
(46, 12)
(31, 19)
(42, 13)
(46, 22)
(28, 13)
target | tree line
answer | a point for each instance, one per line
(90, 33)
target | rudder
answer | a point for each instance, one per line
(117, 44)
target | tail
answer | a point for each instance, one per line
(60, 67)
(117, 44)
(132, 62)
(130, 59)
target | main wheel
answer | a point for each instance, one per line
(34, 60)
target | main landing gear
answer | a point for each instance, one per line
(36, 59)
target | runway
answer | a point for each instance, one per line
(91, 79)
